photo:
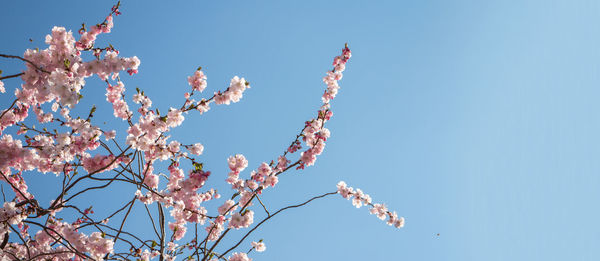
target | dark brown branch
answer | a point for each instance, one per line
(124, 218)
(161, 218)
(11, 76)
(263, 205)
(67, 244)
(59, 198)
(4, 241)
(270, 216)
(13, 104)
(151, 220)
(22, 240)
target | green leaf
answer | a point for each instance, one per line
(198, 166)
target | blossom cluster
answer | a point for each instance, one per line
(87, 38)
(96, 245)
(315, 134)
(234, 91)
(10, 214)
(359, 198)
(56, 75)
(197, 81)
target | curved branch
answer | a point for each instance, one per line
(270, 216)
(11, 76)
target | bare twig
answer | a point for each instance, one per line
(11, 76)
(270, 216)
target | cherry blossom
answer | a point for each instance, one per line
(166, 175)
(259, 246)
(239, 257)
(359, 199)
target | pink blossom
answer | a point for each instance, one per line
(239, 257)
(259, 246)
(234, 92)
(10, 214)
(282, 163)
(237, 164)
(239, 220)
(359, 198)
(251, 184)
(344, 190)
(98, 246)
(138, 98)
(151, 180)
(147, 255)
(109, 135)
(215, 229)
(197, 81)
(395, 221)
(380, 210)
(196, 149)
(264, 169)
(174, 118)
(114, 95)
(271, 180)
(228, 206)
(179, 230)
(174, 146)
(100, 163)
(203, 107)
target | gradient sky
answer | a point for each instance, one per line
(477, 120)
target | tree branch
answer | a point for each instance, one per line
(270, 216)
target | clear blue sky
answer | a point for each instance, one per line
(477, 120)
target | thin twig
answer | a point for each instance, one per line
(11, 76)
(270, 216)
(25, 60)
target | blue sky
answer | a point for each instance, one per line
(477, 120)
